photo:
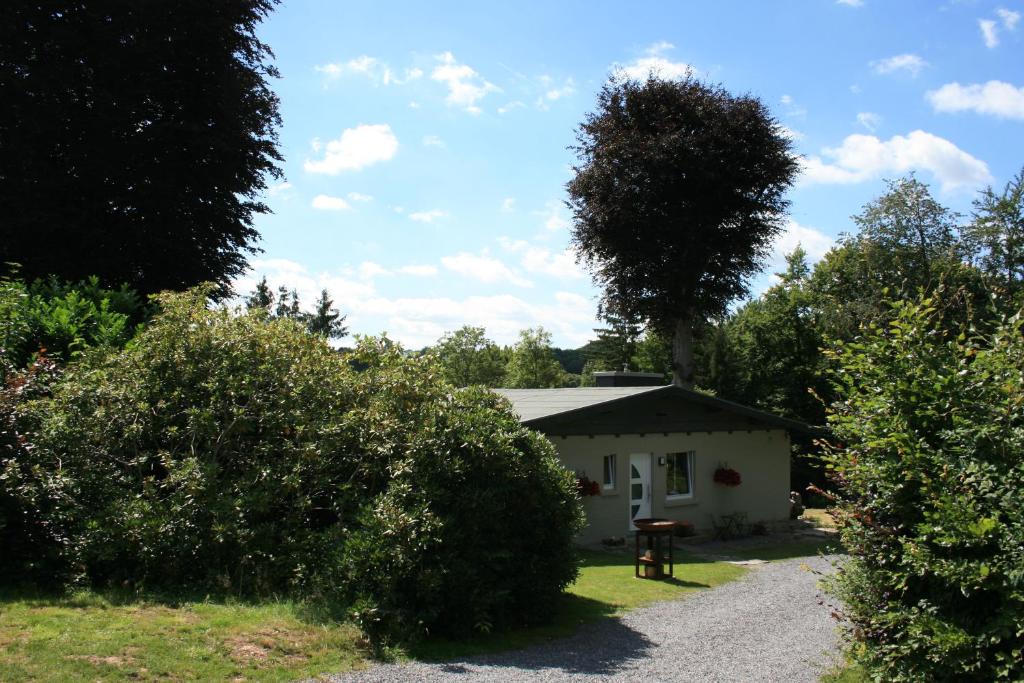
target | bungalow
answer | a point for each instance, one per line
(653, 451)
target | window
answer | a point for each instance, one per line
(679, 474)
(609, 472)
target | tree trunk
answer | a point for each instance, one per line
(682, 354)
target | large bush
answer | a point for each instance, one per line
(244, 454)
(64, 318)
(931, 477)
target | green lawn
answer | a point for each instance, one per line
(820, 517)
(88, 637)
(606, 588)
(786, 551)
(846, 674)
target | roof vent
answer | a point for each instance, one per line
(624, 378)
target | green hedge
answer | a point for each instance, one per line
(931, 476)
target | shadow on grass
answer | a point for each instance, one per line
(604, 648)
(786, 551)
(602, 558)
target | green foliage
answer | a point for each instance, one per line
(25, 533)
(532, 363)
(678, 195)
(773, 343)
(615, 345)
(324, 321)
(930, 476)
(239, 453)
(996, 233)
(436, 552)
(467, 357)
(136, 139)
(65, 318)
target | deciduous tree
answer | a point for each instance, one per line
(136, 139)
(676, 199)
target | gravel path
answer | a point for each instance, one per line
(771, 625)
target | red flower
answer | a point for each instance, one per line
(727, 476)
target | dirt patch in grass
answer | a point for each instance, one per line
(118, 661)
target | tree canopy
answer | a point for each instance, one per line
(676, 198)
(135, 139)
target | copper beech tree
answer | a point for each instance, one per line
(677, 196)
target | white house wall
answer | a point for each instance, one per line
(761, 457)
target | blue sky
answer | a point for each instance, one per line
(426, 143)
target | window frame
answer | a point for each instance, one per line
(691, 463)
(605, 471)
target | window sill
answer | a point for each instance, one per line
(610, 492)
(680, 502)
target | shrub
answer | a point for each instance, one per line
(243, 454)
(24, 534)
(65, 318)
(930, 476)
(473, 532)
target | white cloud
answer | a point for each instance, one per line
(327, 203)
(427, 216)
(639, 69)
(279, 188)
(554, 219)
(465, 85)
(989, 32)
(864, 157)
(1009, 18)
(370, 67)
(418, 270)
(344, 287)
(851, 3)
(553, 92)
(357, 148)
(368, 270)
(910, 63)
(357, 197)
(657, 64)
(792, 108)
(483, 267)
(414, 104)
(814, 242)
(432, 141)
(506, 108)
(418, 321)
(791, 133)
(995, 98)
(536, 259)
(869, 120)
(508, 204)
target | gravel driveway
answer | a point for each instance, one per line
(771, 625)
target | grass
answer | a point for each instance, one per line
(786, 551)
(606, 588)
(87, 637)
(90, 637)
(819, 517)
(848, 673)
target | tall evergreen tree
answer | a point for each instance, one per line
(136, 139)
(326, 321)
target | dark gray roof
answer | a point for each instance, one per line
(536, 405)
(533, 404)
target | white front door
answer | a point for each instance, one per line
(639, 487)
